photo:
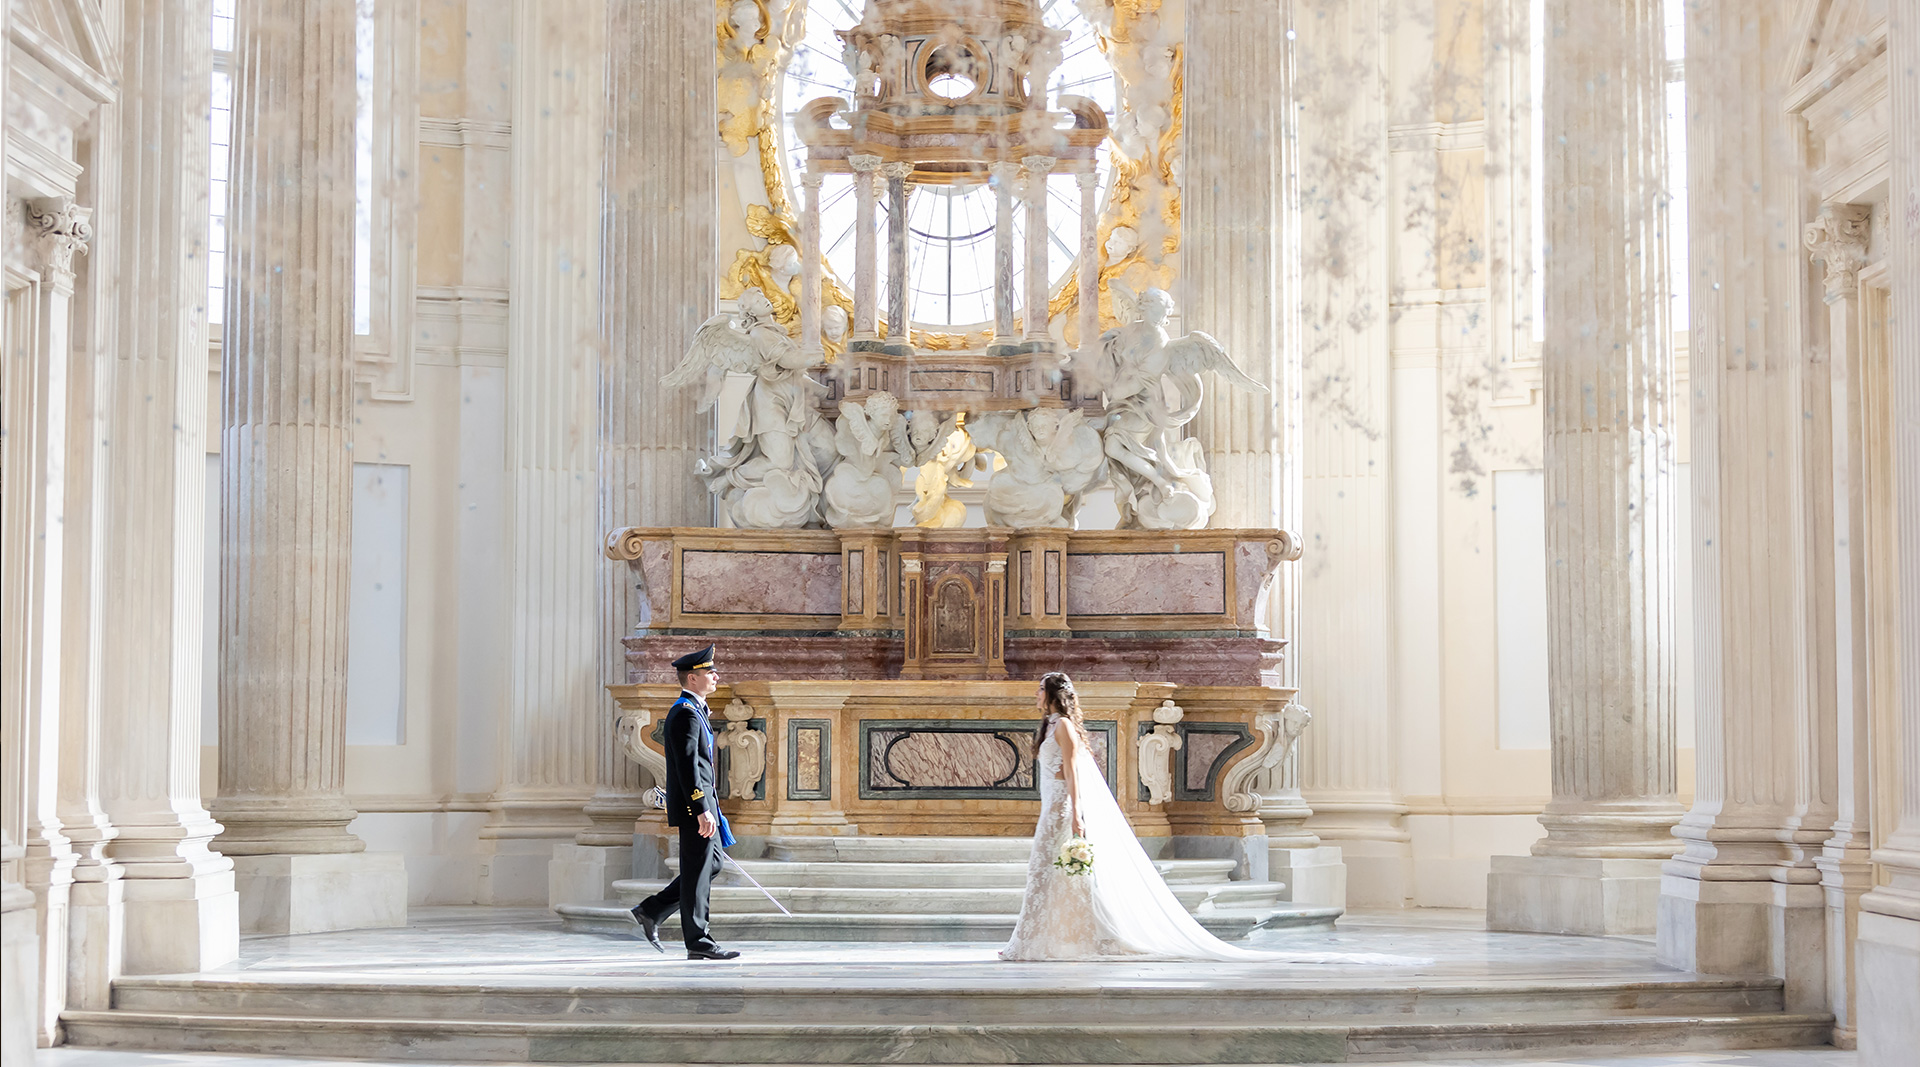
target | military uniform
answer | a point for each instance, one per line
(690, 793)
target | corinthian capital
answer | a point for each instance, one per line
(1838, 238)
(57, 228)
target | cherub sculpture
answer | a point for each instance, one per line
(1152, 388)
(773, 443)
(861, 490)
(1052, 459)
(945, 454)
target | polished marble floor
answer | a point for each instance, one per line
(510, 945)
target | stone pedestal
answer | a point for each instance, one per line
(587, 872)
(1572, 895)
(1315, 875)
(311, 894)
(19, 967)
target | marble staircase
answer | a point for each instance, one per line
(922, 889)
(949, 1015)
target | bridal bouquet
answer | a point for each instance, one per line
(1076, 856)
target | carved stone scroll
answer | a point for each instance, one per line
(1279, 732)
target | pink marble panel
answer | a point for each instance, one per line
(1202, 750)
(656, 579)
(927, 759)
(1252, 577)
(1147, 583)
(760, 583)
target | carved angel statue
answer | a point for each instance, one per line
(870, 439)
(773, 443)
(1152, 388)
(1053, 457)
(945, 455)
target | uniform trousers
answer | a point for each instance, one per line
(700, 859)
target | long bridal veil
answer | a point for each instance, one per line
(1134, 909)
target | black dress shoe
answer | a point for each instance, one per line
(648, 927)
(712, 954)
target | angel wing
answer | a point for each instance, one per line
(854, 418)
(1198, 352)
(902, 445)
(716, 349)
(1126, 301)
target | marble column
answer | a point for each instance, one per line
(899, 286)
(19, 991)
(866, 180)
(1889, 946)
(1839, 240)
(1239, 282)
(1006, 186)
(181, 910)
(1089, 310)
(1348, 766)
(659, 152)
(810, 264)
(1608, 376)
(556, 727)
(1037, 168)
(39, 399)
(1744, 894)
(287, 490)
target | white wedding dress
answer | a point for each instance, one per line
(1122, 907)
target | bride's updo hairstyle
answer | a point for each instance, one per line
(1062, 703)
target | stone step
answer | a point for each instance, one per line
(856, 873)
(979, 993)
(870, 849)
(743, 899)
(612, 917)
(1067, 1039)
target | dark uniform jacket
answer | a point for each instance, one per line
(688, 741)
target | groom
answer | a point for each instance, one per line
(694, 809)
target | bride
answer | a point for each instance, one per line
(1121, 907)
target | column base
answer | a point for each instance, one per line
(177, 925)
(19, 974)
(1747, 926)
(96, 910)
(310, 894)
(1573, 895)
(585, 873)
(1312, 875)
(1888, 958)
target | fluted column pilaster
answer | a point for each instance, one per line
(555, 728)
(1608, 377)
(287, 416)
(659, 152)
(1239, 280)
(1348, 765)
(181, 912)
(1889, 945)
(1763, 541)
